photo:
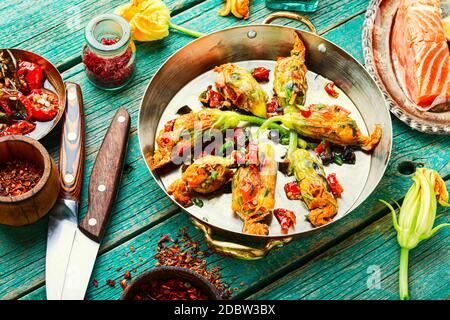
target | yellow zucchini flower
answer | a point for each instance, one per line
(239, 8)
(150, 20)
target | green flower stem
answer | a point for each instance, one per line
(260, 121)
(404, 274)
(293, 142)
(189, 32)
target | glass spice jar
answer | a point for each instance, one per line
(109, 54)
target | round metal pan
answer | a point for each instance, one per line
(53, 82)
(382, 64)
(264, 43)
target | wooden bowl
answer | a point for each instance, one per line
(166, 273)
(34, 204)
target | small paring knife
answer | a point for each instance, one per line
(103, 186)
(63, 218)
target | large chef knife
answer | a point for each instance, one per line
(103, 185)
(63, 219)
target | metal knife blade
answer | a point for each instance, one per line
(63, 219)
(62, 225)
(103, 186)
(81, 262)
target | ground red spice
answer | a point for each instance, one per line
(172, 289)
(18, 177)
(186, 253)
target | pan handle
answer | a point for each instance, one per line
(235, 250)
(292, 16)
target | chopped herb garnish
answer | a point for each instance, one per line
(198, 202)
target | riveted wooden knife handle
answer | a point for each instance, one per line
(71, 154)
(105, 176)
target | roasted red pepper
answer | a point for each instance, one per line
(261, 74)
(286, 218)
(44, 105)
(335, 186)
(21, 128)
(292, 190)
(32, 74)
(306, 112)
(330, 88)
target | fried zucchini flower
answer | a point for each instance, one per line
(253, 191)
(238, 86)
(204, 176)
(239, 8)
(150, 20)
(290, 83)
(329, 122)
(315, 192)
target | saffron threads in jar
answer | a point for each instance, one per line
(18, 177)
(109, 53)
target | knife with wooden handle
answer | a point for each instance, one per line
(103, 186)
(63, 219)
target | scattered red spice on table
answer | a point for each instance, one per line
(172, 289)
(111, 283)
(95, 283)
(127, 274)
(123, 283)
(18, 177)
(186, 253)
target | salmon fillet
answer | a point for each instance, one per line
(421, 47)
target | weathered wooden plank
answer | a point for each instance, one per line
(140, 203)
(365, 266)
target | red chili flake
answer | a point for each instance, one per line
(123, 283)
(127, 274)
(330, 88)
(95, 283)
(272, 106)
(168, 127)
(18, 177)
(261, 74)
(111, 283)
(286, 218)
(292, 190)
(133, 249)
(306, 112)
(172, 289)
(163, 239)
(185, 253)
(335, 186)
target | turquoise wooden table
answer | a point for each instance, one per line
(341, 262)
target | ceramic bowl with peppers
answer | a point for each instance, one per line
(170, 283)
(32, 94)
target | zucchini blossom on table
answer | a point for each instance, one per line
(150, 20)
(239, 8)
(416, 218)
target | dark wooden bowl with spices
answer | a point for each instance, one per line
(29, 181)
(170, 283)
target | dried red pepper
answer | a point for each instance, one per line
(330, 88)
(44, 105)
(261, 74)
(335, 186)
(32, 74)
(293, 191)
(286, 218)
(20, 128)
